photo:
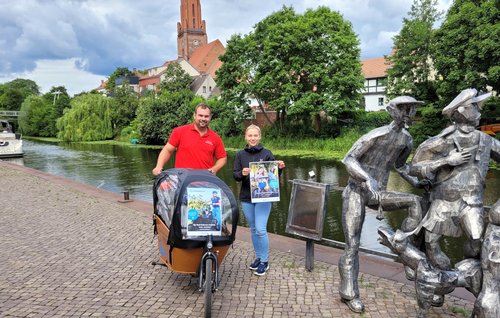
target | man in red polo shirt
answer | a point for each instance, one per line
(197, 146)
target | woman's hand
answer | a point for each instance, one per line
(245, 171)
(281, 164)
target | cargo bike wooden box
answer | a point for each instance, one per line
(195, 220)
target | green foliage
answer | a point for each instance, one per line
(466, 48)
(130, 132)
(157, 117)
(123, 108)
(120, 71)
(57, 100)
(35, 116)
(428, 122)
(300, 65)
(327, 127)
(490, 113)
(366, 121)
(410, 71)
(176, 79)
(88, 119)
(226, 120)
(13, 93)
(325, 148)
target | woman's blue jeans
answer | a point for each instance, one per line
(257, 215)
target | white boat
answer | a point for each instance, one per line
(11, 144)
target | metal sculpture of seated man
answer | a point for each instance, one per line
(431, 280)
(487, 303)
(368, 163)
(481, 278)
(455, 162)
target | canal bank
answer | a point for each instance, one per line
(70, 249)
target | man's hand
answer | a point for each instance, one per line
(157, 171)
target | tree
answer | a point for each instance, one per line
(39, 113)
(158, 115)
(58, 100)
(411, 61)
(13, 93)
(124, 108)
(120, 71)
(34, 118)
(176, 79)
(88, 119)
(299, 65)
(467, 50)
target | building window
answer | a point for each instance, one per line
(209, 88)
(381, 101)
(375, 85)
(192, 9)
(204, 89)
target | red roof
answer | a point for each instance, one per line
(205, 59)
(375, 68)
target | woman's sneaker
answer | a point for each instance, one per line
(262, 269)
(255, 264)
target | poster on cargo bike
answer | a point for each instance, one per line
(204, 211)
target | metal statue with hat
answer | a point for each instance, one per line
(368, 164)
(455, 162)
(454, 165)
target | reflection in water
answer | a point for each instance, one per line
(121, 168)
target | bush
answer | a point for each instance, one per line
(428, 122)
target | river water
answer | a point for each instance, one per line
(127, 168)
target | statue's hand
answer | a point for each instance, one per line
(372, 187)
(456, 158)
(424, 184)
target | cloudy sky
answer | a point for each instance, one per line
(77, 43)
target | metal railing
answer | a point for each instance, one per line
(9, 113)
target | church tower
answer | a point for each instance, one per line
(191, 30)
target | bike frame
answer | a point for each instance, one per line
(208, 255)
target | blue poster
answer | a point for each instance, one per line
(204, 214)
(264, 182)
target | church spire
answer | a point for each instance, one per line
(191, 30)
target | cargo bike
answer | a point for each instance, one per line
(195, 220)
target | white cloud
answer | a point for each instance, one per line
(70, 73)
(44, 39)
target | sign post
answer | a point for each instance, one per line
(306, 213)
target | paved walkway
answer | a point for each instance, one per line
(68, 249)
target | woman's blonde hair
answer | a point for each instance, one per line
(252, 126)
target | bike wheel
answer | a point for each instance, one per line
(208, 288)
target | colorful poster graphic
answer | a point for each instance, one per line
(264, 183)
(204, 214)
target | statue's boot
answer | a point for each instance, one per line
(355, 305)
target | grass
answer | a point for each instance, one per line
(328, 148)
(460, 310)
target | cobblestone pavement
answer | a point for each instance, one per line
(66, 252)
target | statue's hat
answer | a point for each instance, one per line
(467, 96)
(400, 100)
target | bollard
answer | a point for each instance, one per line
(126, 197)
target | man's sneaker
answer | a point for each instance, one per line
(255, 264)
(262, 269)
